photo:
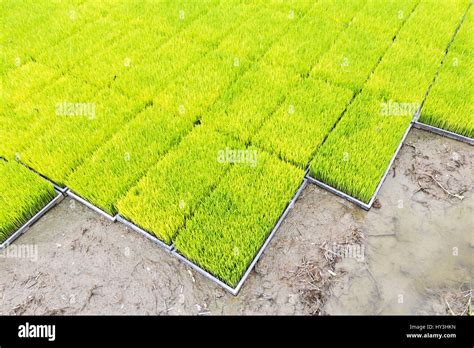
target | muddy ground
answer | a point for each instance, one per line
(411, 254)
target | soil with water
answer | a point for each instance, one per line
(411, 254)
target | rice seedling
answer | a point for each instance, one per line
(356, 154)
(405, 72)
(22, 195)
(258, 94)
(228, 229)
(116, 166)
(162, 200)
(303, 121)
(350, 60)
(79, 126)
(433, 23)
(384, 16)
(449, 103)
(18, 90)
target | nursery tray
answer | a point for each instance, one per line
(59, 197)
(235, 291)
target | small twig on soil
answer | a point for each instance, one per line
(442, 187)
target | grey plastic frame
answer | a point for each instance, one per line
(83, 201)
(235, 291)
(58, 198)
(443, 132)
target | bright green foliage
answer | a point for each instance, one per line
(303, 121)
(449, 104)
(229, 228)
(405, 73)
(162, 200)
(80, 133)
(384, 16)
(253, 99)
(356, 154)
(356, 52)
(433, 23)
(22, 195)
(116, 166)
(351, 59)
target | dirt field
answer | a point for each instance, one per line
(411, 254)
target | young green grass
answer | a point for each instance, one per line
(350, 60)
(433, 23)
(303, 121)
(22, 195)
(356, 154)
(173, 188)
(229, 228)
(116, 166)
(17, 113)
(258, 94)
(91, 122)
(405, 72)
(449, 104)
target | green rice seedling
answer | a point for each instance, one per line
(32, 28)
(36, 114)
(464, 40)
(231, 225)
(298, 47)
(350, 60)
(433, 23)
(22, 195)
(303, 121)
(258, 94)
(251, 101)
(356, 154)
(136, 44)
(18, 89)
(117, 165)
(179, 106)
(116, 39)
(173, 188)
(148, 76)
(405, 72)
(449, 104)
(384, 16)
(77, 128)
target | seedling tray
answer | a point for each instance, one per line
(235, 291)
(90, 205)
(144, 233)
(356, 201)
(59, 197)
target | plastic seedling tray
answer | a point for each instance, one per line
(59, 197)
(443, 132)
(235, 291)
(358, 202)
(90, 205)
(144, 233)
